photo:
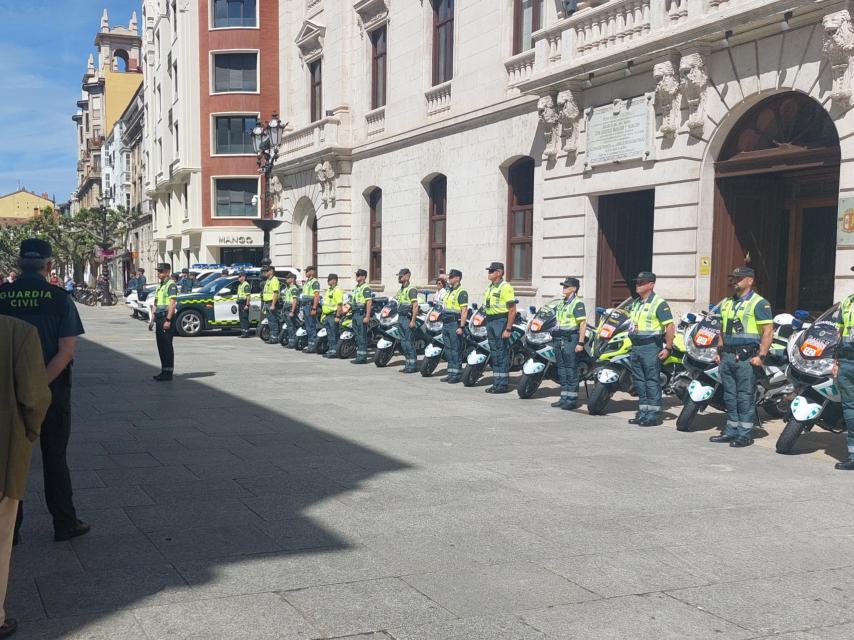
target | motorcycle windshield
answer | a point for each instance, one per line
(613, 322)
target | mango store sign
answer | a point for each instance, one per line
(229, 240)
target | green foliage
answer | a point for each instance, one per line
(74, 238)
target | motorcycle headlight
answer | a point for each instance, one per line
(705, 354)
(478, 332)
(434, 327)
(389, 321)
(538, 337)
(817, 368)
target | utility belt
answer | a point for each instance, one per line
(159, 314)
(404, 314)
(360, 308)
(742, 352)
(306, 299)
(565, 333)
(494, 316)
(450, 316)
(639, 341)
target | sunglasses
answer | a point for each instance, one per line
(492, 270)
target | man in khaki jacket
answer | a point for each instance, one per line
(25, 394)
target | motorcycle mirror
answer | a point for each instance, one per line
(600, 310)
(691, 317)
(800, 314)
(532, 309)
(474, 306)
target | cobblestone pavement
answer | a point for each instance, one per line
(270, 494)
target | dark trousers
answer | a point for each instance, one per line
(360, 331)
(310, 326)
(739, 381)
(331, 333)
(567, 367)
(243, 312)
(845, 381)
(407, 343)
(272, 321)
(499, 351)
(287, 327)
(56, 430)
(453, 348)
(164, 344)
(646, 373)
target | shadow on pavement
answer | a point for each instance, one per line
(188, 488)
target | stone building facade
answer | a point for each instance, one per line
(591, 139)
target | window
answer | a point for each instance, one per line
(234, 13)
(315, 72)
(234, 197)
(375, 202)
(438, 192)
(443, 41)
(314, 241)
(378, 68)
(235, 72)
(527, 18)
(177, 139)
(234, 134)
(520, 220)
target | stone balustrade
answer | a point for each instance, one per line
(520, 67)
(375, 121)
(609, 25)
(438, 98)
(318, 135)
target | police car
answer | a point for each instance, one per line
(214, 306)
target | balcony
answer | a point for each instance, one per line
(520, 67)
(328, 135)
(438, 99)
(375, 121)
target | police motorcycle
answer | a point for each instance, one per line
(435, 348)
(479, 353)
(774, 392)
(539, 345)
(390, 334)
(347, 337)
(612, 349)
(811, 350)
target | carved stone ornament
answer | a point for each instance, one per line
(695, 82)
(839, 50)
(325, 173)
(372, 14)
(668, 98)
(277, 192)
(547, 108)
(569, 114)
(309, 40)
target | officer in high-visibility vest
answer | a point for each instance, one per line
(333, 298)
(652, 334)
(362, 303)
(165, 302)
(407, 309)
(270, 302)
(244, 300)
(747, 330)
(569, 335)
(309, 299)
(499, 304)
(290, 302)
(455, 307)
(843, 371)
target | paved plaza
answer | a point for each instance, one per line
(267, 494)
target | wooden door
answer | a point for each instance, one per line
(625, 243)
(811, 272)
(751, 228)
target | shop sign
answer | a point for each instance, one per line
(236, 240)
(620, 131)
(845, 222)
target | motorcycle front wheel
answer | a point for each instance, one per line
(264, 332)
(528, 385)
(346, 349)
(428, 365)
(789, 436)
(383, 356)
(599, 399)
(686, 417)
(472, 374)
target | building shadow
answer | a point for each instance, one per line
(188, 486)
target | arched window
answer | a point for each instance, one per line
(375, 203)
(438, 192)
(520, 220)
(121, 60)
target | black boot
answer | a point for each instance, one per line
(848, 465)
(164, 376)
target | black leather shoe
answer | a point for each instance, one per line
(721, 438)
(409, 370)
(649, 423)
(559, 404)
(245, 335)
(8, 628)
(359, 361)
(445, 379)
(163, 377)
(307, 350)
(741, 442)
(494, 389)
(569, 407)
(635, 420)
(79, 529)
(455, 380)
(848, 465)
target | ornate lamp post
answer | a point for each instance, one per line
(266, 140)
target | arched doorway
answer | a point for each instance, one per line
(776, 190)
(304, 234)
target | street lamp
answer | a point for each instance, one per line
(266, 140)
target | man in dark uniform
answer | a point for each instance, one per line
(165, 300)
(51, 310)
(362, 303)
(244, 302)
(455, 305)
(290, 308)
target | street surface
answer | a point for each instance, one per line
(267, 494)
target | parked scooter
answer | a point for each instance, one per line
(539, 345)
(811, 352)
(389, 342)
(435, 349)
(774, 392)
(612, 349)
(480, 355)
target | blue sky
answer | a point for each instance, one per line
(43, 50)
